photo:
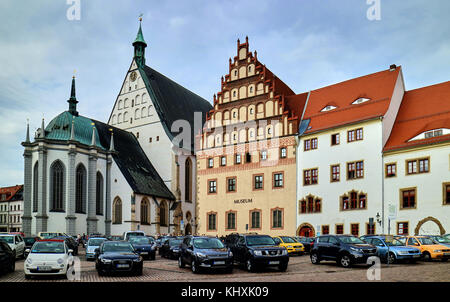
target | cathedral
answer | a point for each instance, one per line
(131, 173)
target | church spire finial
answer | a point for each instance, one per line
(111, 145)
(73, 99)
(27, 138)
(139, 45)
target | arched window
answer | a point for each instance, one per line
(145, 212)
(138, 100)
(80, 189)
(57, 186)
(143, 111)
(125, 117)
(163, 214)
(119, 118)
(35, 186)
(188, 180)
(117, 211)
(137, 114)
(120, 104)
(99, 194)
(144, 100)
(114, 119)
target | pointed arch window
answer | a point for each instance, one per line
(35, 186)
(99, 194)
(163, 214)
(145, 212)
(117, 211)
(57, 186)
(80, 190)
(188, 180)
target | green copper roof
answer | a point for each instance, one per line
(60, 129)
(140, 36)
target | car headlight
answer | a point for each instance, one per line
(138, 259)
(284, 252)
(355, 249)
(60, 260)
(106, 260)
(403, 253)
(437, 251)
(289, 246)
(230, 254)
(257, 253)
(201, 255)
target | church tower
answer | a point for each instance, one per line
(139, 47)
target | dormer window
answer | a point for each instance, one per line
(360, 100)
(431, 134)
(328, 108)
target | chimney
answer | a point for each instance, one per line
(392, 67)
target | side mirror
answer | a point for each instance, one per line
(70, 251)
(27, 251)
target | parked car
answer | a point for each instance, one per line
(22, 234)
(440, 239)
(7, 258)
(346, 250)
(160, 241)
(29, 241)
(307, 242)
(117, 257)
(205, 252)
(49, 235)
(292, 245)
(429, 248)
(92, 244)
(129, 234)
(70, 241)
(16, 244)
(171, 248)
(393, 251)
(258, 251)
(115, 238)
(446, 236)
(48, 257)
(145, 246)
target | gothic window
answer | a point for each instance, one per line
(80, 189)
(57, 186)
(137, 114)
(143, 111)
(145, 212)
(117, 211)
(354, 201)
(310, 204)
(163, 214)
(188, 180)
(99, 194)
(35, 186)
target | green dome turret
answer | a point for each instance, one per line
(139, 47)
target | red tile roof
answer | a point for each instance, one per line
(9, 191)
(378, 87)
(422, 109)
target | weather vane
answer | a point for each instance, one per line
(74, 72)
(140, 17)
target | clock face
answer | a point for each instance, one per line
(133, 76)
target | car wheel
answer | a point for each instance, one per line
(426, 256)
(194, 267)
(345, 261)
(180, 262)
(391, 258)
(283, 267)
(315, 258)
(139, 272)
(101, 273)
(12, 268)
(249, 265)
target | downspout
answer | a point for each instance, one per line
(382, 180)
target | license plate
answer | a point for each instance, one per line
(144, 253)
(44, 268)
(122, 266)
(274, 262)
(219, 262)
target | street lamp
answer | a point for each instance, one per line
(378, 219)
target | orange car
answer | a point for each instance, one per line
(430, 249)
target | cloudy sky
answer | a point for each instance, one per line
(308, 44)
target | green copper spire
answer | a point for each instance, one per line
(139, 47)
(73, 99)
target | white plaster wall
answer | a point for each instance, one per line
(120, 188)
(369, 150)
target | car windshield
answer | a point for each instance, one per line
(394, 242)
(95, 242)
(140, 240)
(208, 243)
(8, 239)
(287, 239)
(351, 240)
(48, 235)
(119, 247)
(48, 247)
(129, 235)
(175, 242)
(260, 240)
(426, 241)
(29, 241)
(441, 239)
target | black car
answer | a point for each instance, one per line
(70, 241)
(117, 257)
(145, 246)
(205, 252)
(29, 241)
(307, 242)
(258, 251)
(7, 258)
(160, 241)
(346, 250)
(171, 248)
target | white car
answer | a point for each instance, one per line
(16, 243)
(48, 257)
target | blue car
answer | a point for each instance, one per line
(440, 240)
(397, 250)
(145, 246)
(93, 244)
